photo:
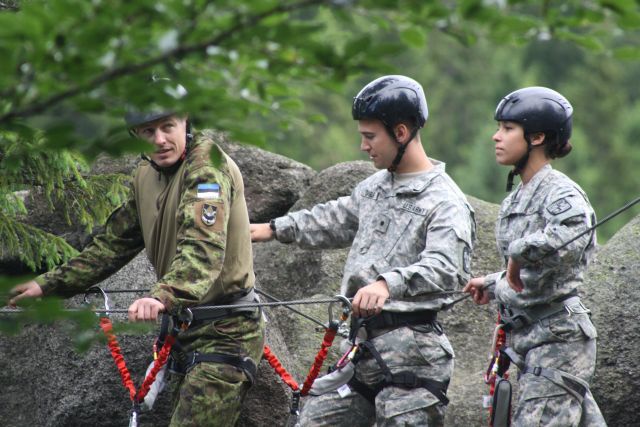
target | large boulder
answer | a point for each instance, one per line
(45, 382)
(612, 294)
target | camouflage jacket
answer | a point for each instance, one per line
(417, 236)
(194, 224)
(534, 220)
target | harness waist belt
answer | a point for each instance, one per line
(517, 318)
(389, 319)
(183, 362)
(201, 314)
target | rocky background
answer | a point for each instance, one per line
(45, 382)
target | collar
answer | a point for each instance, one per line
(523, 194)
(411, 183)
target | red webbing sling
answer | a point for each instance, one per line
(114, 347)
(327, 341)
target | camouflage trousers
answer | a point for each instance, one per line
(211, 394)
(566, 343)
(427, 354)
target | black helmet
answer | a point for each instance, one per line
(164, 88)
(391, 99)
(538, 109)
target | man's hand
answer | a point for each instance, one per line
(370, 299)
(29, 289)
(145, 309)
(513, 276)
(261, 232)
(478, 291)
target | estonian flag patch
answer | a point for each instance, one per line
(208, 191)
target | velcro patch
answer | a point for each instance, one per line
(370, 194)
(208, 191)
(410, 207)
(209, 215)
(558, 207)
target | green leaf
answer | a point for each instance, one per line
(414, 36)
(627, 53)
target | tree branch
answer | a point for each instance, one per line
(177, 53)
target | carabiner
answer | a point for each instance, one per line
(97, 289)
(346, 308)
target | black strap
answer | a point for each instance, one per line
(389, 319)
(405, 379)
(245, 364)
(203, 314)
(364, 390)
(572, 384)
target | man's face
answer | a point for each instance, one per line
(377, 143)
(169, 137)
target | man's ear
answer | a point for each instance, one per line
(537, 138)
(402, 133)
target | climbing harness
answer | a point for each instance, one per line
(377, 325)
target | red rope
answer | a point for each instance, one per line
(116, 353)
(329, 335)
(112, 342)
(157, 365)
(280, 370)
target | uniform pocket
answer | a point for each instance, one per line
(394, 401)
(433, 347)
(535, 387)
(565, 329)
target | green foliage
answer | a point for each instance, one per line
(280, 74)
(29, 167)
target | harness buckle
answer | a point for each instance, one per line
(295, 403)
(185, 318)
(577, 308)
(537, 371)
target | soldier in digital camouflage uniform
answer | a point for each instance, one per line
(550, 334)
(192, 219)
(411, 233)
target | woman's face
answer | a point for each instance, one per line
(510, 143)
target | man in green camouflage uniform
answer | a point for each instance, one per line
(411, 232)
(192, 219)
(550, 334)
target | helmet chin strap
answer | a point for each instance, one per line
(401, 149)
(520, 164)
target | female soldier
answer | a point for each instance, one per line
(551, 337)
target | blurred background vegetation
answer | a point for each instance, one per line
(464, 83)
(282, 74)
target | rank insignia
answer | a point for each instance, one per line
(209, 214)
(559, 206)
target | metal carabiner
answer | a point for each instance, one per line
(97, 289)
(346, 308)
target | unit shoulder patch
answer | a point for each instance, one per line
(558, 207)
(209, 215)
